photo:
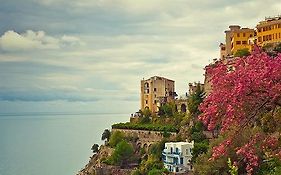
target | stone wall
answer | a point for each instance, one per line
(145, 138)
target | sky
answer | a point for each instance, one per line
(88, 56)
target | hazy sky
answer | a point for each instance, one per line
(90, 55)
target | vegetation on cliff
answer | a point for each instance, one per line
(148, 127)
(244, 106)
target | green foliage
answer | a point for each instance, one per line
(201, 144)
(198, 127)
(115, 138)
(157, 148)
(278, 48)
(204, 166)
(105, 135)
(199, 148)
(233, 169)
(168, 110)
(242, 52)
(121, 154)
(136, 172)
(194, 101)
(166, 134)
(152, 162)
(145, 119)
(270, 167)
(156, 171)
(146, 113)
(149, 127)
(95, 148)
(198, 137)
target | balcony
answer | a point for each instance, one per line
(171, 163)
(173, 154)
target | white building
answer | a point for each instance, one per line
(177, 156)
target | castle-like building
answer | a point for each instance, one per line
(237, 38)
(155, 92)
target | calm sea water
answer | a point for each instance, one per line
(50, 144)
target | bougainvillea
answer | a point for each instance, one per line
(242, 90)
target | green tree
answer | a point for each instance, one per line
(105, 135)
(199, 148)
(95, 148)
(168, 110)
(194, 100)
(115, 138)
(242, 52)
(122, 153)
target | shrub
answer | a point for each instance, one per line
(115, 138)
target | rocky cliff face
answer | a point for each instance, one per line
(96, 167)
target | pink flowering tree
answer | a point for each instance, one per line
(244, 90)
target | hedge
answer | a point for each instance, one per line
(149, 127)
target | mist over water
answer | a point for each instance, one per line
(50, 144)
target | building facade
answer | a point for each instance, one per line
(269, 31)
(236, 38)
(240, 39)
(177, 156)
(222, 51)
(155, 92)
(228, 38)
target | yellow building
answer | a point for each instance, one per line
(239, 39)
(236, 38)
(269, 31)
(155, 92)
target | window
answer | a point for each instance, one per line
(279, 35)
(244, 34)
(263, 38)
(154, 89)
(155, 101)
(146, 85)
(259, 29)
(238, 34)
(244, 42)
(238, 42)
(147, 91)
(181, 160)
(259, 39)
(251, 35)
(146, 101)
(269, 37)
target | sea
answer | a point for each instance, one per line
(50, 144)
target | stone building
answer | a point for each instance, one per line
(155, 92)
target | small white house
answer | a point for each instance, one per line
(177, 156)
